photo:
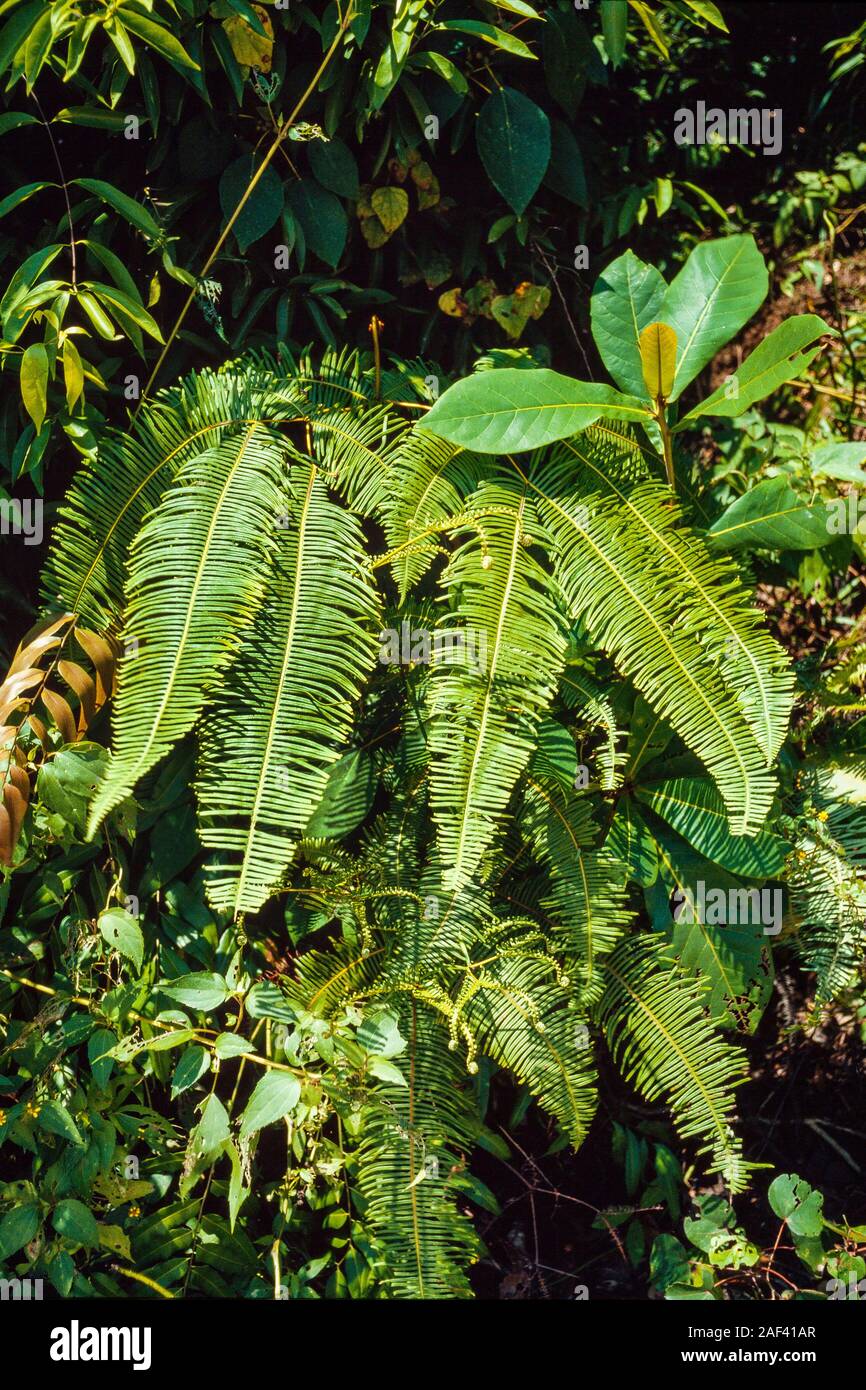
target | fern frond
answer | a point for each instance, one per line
(587, 901)
(416, 1141)
(196, 578)
(431, 480)
(282, 714)
(622, 591)
(519, 1007)
(659, 1036)
(753, 667)
(113, 494)
(485, 712)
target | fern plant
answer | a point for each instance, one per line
(476, 692)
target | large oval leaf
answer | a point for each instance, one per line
(513, 138)
(509, 410)
(718, 289)
(625, 298)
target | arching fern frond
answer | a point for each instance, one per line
(623, 592)
(281, 716)
(196, 578)
(659, 1036)
(587, 900)
(417, 1140)
(485, 705)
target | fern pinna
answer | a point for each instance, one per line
(479, 699)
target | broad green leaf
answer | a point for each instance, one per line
(794, 1201)
(568, 54)
(489, 33)
(614, 27)
(123, 306)
(380, 1034)
(842, 461)
(276, 1095)
(54, 1118)
(12, 120)
(198, 990)
(206, 1140)
(384, 1070)
(17, 1228)
(658, 356)
(508, 410)
(513, 138)
(626, 297)
(443, 67)
(776, 360)
(393, 58)
(123, 934)
(76, 1222)
(192, 1065)
(232, 1045)
(263, 206)
(696, 811)
(34, 383)
(717, 291)
(134, 213)
(565, 173)
(99, 1046)
(772, 516)
(334, 167)
(347, 798)
(16, 29)
(322, 219)
(706, 10)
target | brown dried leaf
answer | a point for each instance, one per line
(61, 714)
(84, 687)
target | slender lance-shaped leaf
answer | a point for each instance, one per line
(196, 578)
(773, 516)
(486, 705)
(626, 297)
(718, 289)
(509, 410)
(778, 358)
(282, 714)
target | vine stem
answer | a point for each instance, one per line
(64, 185)
(280, 136)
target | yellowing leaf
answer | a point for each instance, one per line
(658, 359)
(34, 383)
(513, 311)
(451, 303)
(251, 50)
(390, 206)
(73, 374)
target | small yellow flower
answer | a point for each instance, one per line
(134, 1211)
(822, 815)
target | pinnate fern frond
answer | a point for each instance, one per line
(485, 705)
(282, 714)
(657, 1030)
(197, 576)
